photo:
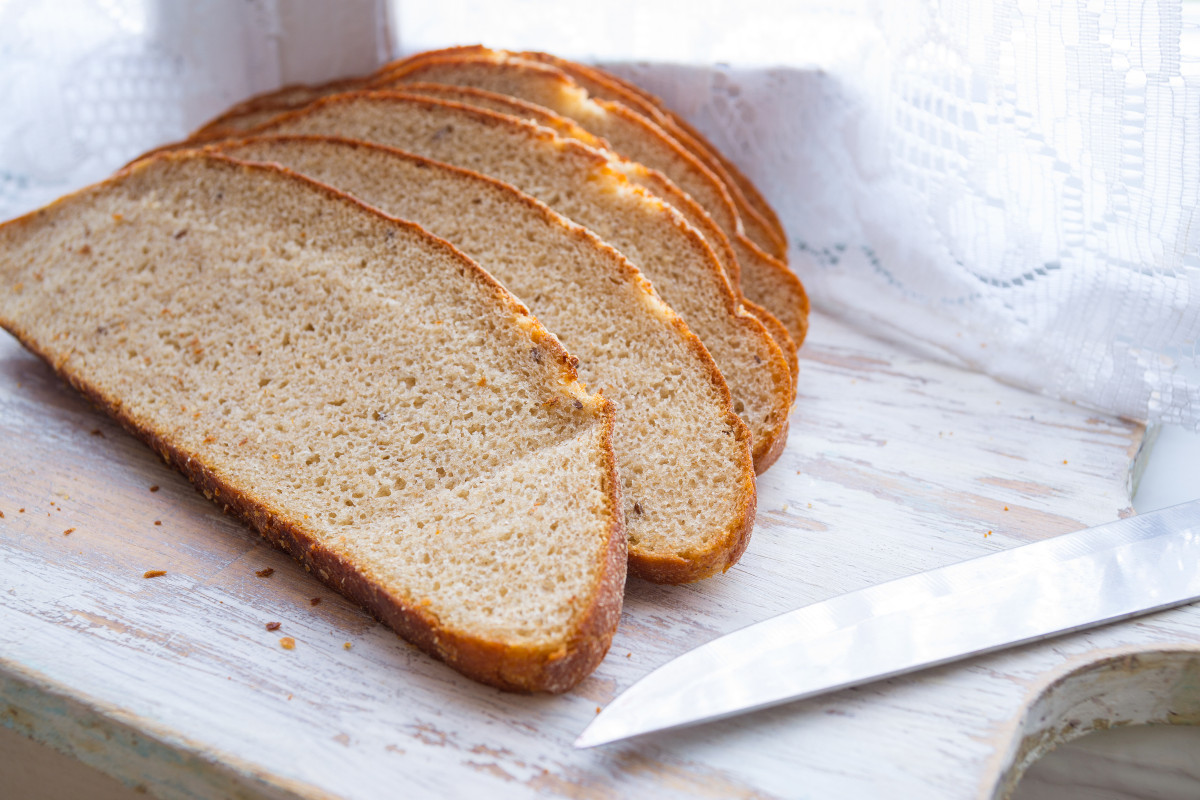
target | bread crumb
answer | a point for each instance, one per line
(273, 626)
(314, 601)
(1064, 461)
(597, 709)
(67, 532)
(20, 511)
(345, 645)
(97, 432)
(629, 655)
(1, 515)
(288, 643)
(1006, 508)
(637, 508)
(154, 573)
(158, 522)
(265, 573)
(154, 488)
(289, 697)
(989, 533)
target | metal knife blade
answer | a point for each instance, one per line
(1068, 583)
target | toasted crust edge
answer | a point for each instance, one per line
(509, 667)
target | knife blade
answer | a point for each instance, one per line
(1068, 583)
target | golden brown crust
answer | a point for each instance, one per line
(779, 333)
(725, 549)
(285, 98)
(515, 668)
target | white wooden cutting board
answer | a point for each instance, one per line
(894, 465)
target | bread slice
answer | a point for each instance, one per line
(649, 179)
(356, 389)
(688, 515)
(629, 133)
(584, 185)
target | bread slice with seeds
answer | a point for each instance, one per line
(587, 186)
(682, 454)
(356, 389)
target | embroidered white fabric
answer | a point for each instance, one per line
(1012, 185)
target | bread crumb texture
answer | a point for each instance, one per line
(354, 382)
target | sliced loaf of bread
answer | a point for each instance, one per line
(631, 135)
(586, 186)
(682, 454)
(356, 389)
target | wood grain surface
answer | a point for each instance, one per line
(894, 465)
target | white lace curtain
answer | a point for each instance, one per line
(1012, 185)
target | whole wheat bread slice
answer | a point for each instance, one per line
(631, 135)
(586, 186)
(689, 514)
(646, 178)
(356, 389)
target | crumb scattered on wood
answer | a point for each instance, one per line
(265, 573)
(154, 573)
(288, 643)
(154, 488)
(346, 646)
(68, 531)
(158, 522)
(97, 432)
(273, 626)
(314, 600)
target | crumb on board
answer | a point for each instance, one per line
(68, 531)
(265, 573)
(97, 432)
(287, 643)
(989, 533)
(154, 573)
(289, 696)
(345, 645)
(312, 601)
(273, 626)
(597, 709)
(158, 522)
(20, 511)
(629, 655)
(1064, 461)
(1, 515)
(154, 488)
(1006, 508)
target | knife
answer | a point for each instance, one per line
(1067, 583)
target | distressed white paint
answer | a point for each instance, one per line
(894, 465)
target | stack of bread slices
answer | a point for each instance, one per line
(470, 337)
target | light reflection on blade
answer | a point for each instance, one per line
(1067, 583)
